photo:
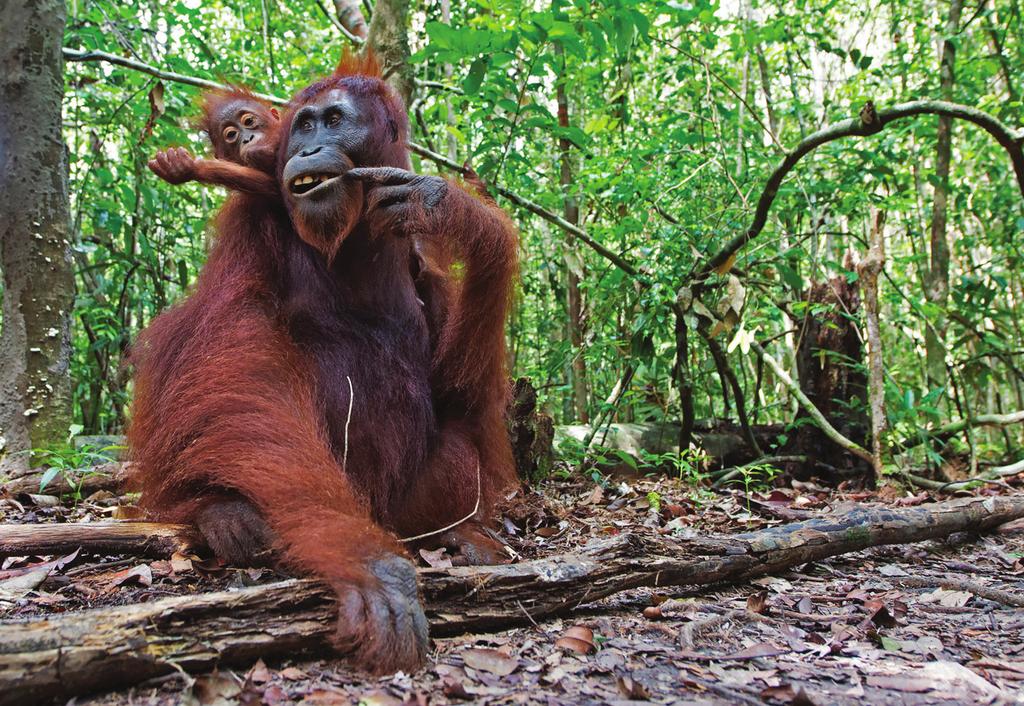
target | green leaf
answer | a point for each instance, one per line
(475, 77)
(48, 476)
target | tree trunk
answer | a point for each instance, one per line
(531, 431)
(38, 292)
(573, 261)
(453, 142)
(936, 284)
(869, 269)
(62, 656)
(351, 17)
(388, 38)
(829, 368)
(683, 379)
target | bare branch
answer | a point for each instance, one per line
(535, 209)
(75, 55)
(150, 539)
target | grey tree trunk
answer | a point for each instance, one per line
(35, 341)
(388, 38)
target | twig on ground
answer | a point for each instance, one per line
(979, 589)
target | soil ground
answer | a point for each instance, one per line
(874, 627)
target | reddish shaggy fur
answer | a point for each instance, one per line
(243, 388)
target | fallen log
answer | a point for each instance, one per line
(71, 654)
(84, 481)
(150, 539)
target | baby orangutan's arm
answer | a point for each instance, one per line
(176, 166)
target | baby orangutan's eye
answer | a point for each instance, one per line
(230, 134)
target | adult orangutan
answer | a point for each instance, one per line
(297, 396)
(243, 132)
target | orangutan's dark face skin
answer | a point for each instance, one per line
(326, 138)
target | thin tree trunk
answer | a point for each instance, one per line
(683, 379)
(38, 292)
(869, 269)
(574, 263)
(729, 377)
(1005, 72)
(453, 143)
(936, 285)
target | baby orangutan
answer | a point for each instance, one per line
(243, 131)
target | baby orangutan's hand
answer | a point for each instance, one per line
(175, 166)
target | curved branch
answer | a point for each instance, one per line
(867, 124)
(948, 430)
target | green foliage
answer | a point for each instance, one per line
(677, 111)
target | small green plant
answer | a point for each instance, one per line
(756, 477)
(688, 465)
(73, 464)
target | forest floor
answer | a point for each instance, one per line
(874, 627)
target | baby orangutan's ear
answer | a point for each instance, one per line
(277, 115)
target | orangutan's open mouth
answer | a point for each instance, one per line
(310, 183)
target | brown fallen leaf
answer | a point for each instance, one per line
(948, 598)
(914, 685)
(141, 574)
(17, 586)
(329, 697)
(217, 689)
(258, 674)
(181, 563)
(757, 603)
(455, 689)
(632, 690)
(787, 694)
(437, 558)
(878, 613)
(491, 661)
(274, 695)
(579, 639)
(760, 649)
